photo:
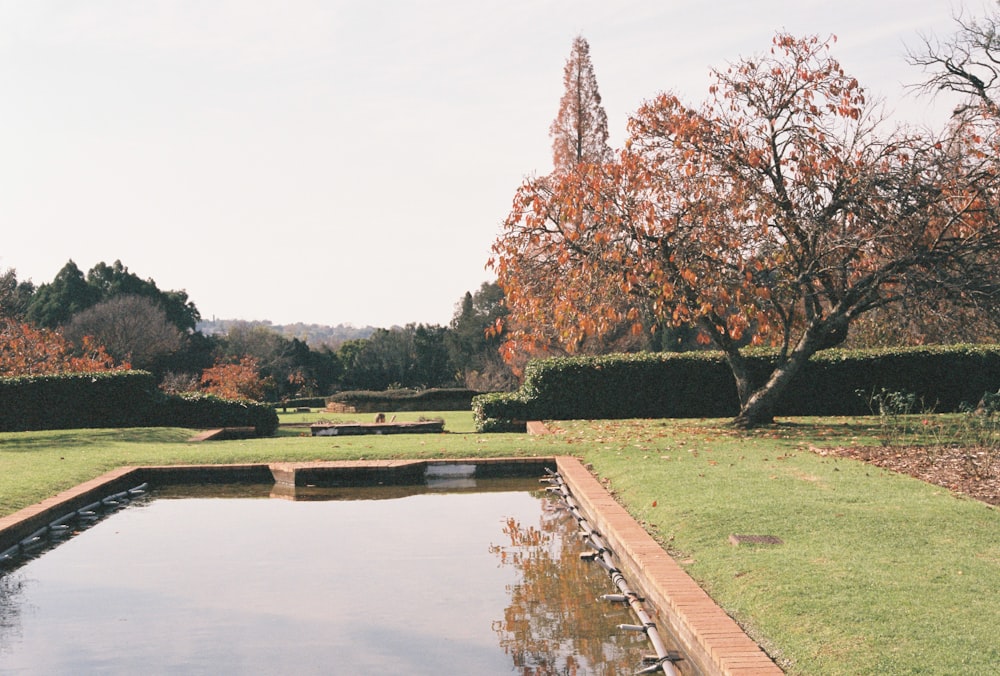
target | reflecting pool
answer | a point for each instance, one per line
(464, 577)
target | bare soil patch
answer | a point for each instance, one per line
(971, 471)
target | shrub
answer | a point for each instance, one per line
(304, 402)
(700, 384)
(500, 412)
(118, 399)
(434, 399)
(193, 409)
(71, 400)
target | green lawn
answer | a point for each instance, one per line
(878, 573)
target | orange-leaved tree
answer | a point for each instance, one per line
(240, 380)
(781, 209)
(579, 140)
(25, 350)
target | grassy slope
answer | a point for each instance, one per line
(879, 574)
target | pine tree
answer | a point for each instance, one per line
(580, 131)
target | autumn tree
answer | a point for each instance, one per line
(780, 209)
(580, 131)
(966, 64)
(579, 140)
(27, 351)
(234, 380)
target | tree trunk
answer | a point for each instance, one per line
(758, 408)
(741, 374)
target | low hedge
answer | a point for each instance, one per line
(118, 399)
(192, 409)
(700, 384)
(501, 412)
(433, 399)
(301, 402)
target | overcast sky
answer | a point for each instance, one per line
(337, 162)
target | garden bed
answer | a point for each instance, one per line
(972, 471)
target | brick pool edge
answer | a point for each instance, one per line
(707, 635)
(703, 631)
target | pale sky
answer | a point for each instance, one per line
(331, 162)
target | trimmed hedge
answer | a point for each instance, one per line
(501, 412)
(66, 401)
(192, 409)
(118, 399)
(700, 384)
(303, 402)
(433, 399)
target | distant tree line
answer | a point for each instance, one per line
(137, 324)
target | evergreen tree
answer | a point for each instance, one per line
(475, 337)
(15, 297)
(69, 293)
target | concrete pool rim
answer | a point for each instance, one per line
(711, 639)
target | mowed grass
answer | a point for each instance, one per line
(877, 574)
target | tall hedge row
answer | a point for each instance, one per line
(118, 399)
(700, 384)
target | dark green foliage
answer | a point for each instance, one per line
(55, 303)
(640, 385)
(646, 385)
(501, 412)
(15, 297)
(435, 399)
(414, 356)
(193, 409)
(76, 400)
(474, 339)
(70, 293)
(117, 399)
(303, 402)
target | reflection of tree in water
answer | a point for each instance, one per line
(554, 623)
(11, 588)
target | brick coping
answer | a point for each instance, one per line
(708, 636)
(704, 632)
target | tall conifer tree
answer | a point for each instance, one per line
(580, 131)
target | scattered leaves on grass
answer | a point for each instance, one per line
(967, 470)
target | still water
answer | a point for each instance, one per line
(401, 580)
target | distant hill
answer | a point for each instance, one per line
(314, 335)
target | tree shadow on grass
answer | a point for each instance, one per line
(15, 442)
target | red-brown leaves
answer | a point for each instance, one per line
(778, 205)
(25, 350)
(234, 381)
(580, 131)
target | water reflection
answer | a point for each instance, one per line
(11, 590)
(554, 623)
(387, 579)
